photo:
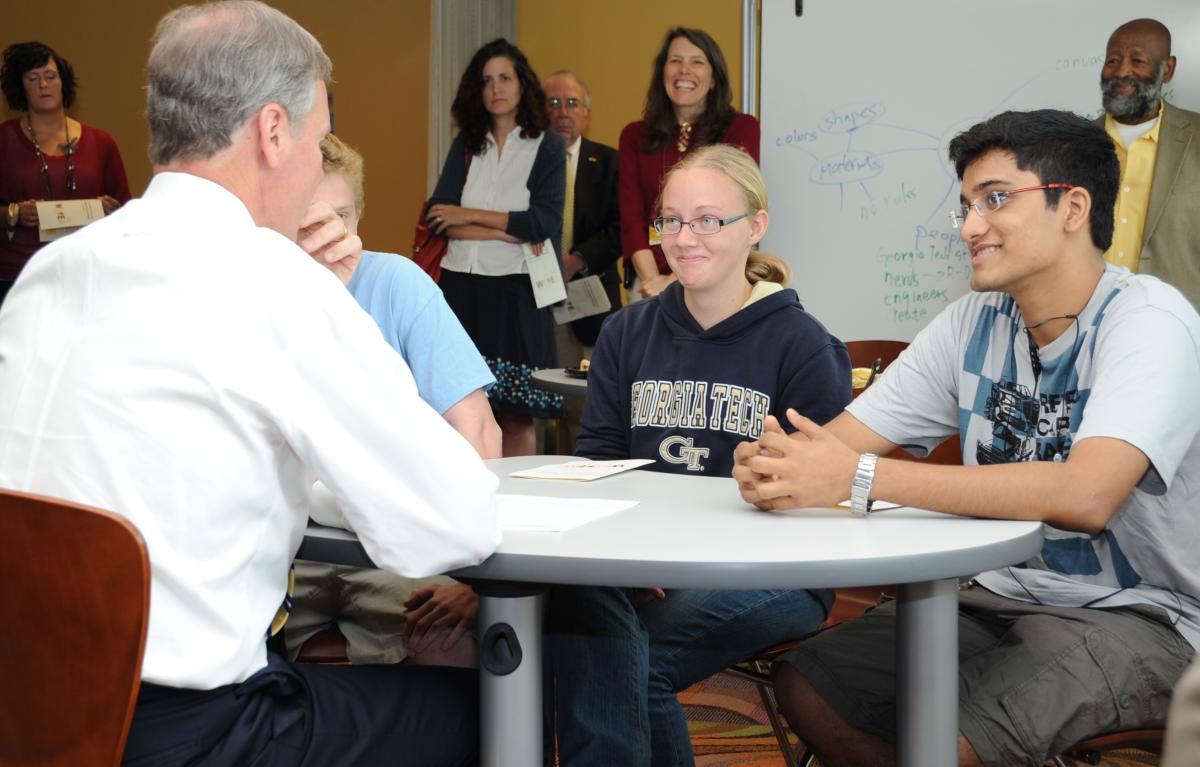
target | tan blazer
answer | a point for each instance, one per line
(1182, 748)
(1171, 236)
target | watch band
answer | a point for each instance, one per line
(860, 488)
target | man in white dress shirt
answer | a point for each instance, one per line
(186, 365)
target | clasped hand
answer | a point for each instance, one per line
(437, 610)
(442, 216)
(809, 468)
(29, 212)
(651, 287)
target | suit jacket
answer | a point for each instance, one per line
(1171, 234)
(597, 229)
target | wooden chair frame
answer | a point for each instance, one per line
(75, 600)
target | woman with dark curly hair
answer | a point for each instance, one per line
(689, 104)
(46, 155)
(503, 185)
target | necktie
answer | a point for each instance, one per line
(568, 231)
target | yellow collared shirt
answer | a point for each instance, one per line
(1133, 196)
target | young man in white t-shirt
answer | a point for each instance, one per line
(1072, 386)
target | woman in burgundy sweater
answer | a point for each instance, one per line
(45, 155)
(689, 104)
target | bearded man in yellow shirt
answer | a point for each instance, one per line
(1158, 203)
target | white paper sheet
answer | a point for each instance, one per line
(585, 297)
(545, 275)
(544, 514)
(581, 471)
(58, 218)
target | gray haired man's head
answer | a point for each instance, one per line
(1137, 64)
(214, 66)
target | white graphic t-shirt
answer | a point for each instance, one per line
(1129, 369)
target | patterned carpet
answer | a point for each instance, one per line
(730, 728)
(729, 725)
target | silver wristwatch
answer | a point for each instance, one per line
(860, 489)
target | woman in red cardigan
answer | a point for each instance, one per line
(46, 155)
(689, 104)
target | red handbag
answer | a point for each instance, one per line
(429, 247)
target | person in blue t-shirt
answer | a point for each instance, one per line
(682, 378)
(452, 378)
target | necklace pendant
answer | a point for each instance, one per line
(68, 150)
(685, 137)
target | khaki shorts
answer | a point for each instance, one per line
(366, 605)
(1033, 679)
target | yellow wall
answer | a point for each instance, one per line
(380, 53)
(611, 45)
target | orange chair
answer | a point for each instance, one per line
(75, 596)
(1093, 750)
(866, 354)
(327, 646)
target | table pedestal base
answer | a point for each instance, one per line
(510, 674)
(927, 674)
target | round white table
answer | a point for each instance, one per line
(697, 532)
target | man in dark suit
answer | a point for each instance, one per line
(1158, 145)
(592, 231)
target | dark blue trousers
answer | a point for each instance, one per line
(313, 715)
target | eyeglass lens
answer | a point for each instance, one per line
(702, 225)
(995, 200)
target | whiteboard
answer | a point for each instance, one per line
(859, 101)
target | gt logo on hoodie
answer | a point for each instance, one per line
(687, 453)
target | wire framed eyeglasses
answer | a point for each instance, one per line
(570, 104)
(994, 200)
(702, 225)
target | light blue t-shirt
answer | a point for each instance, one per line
(415, 319)
(1127, 371)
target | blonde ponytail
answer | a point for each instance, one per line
(767, 267)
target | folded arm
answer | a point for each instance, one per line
(443, 217)
(476, 232)
(547, 184)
